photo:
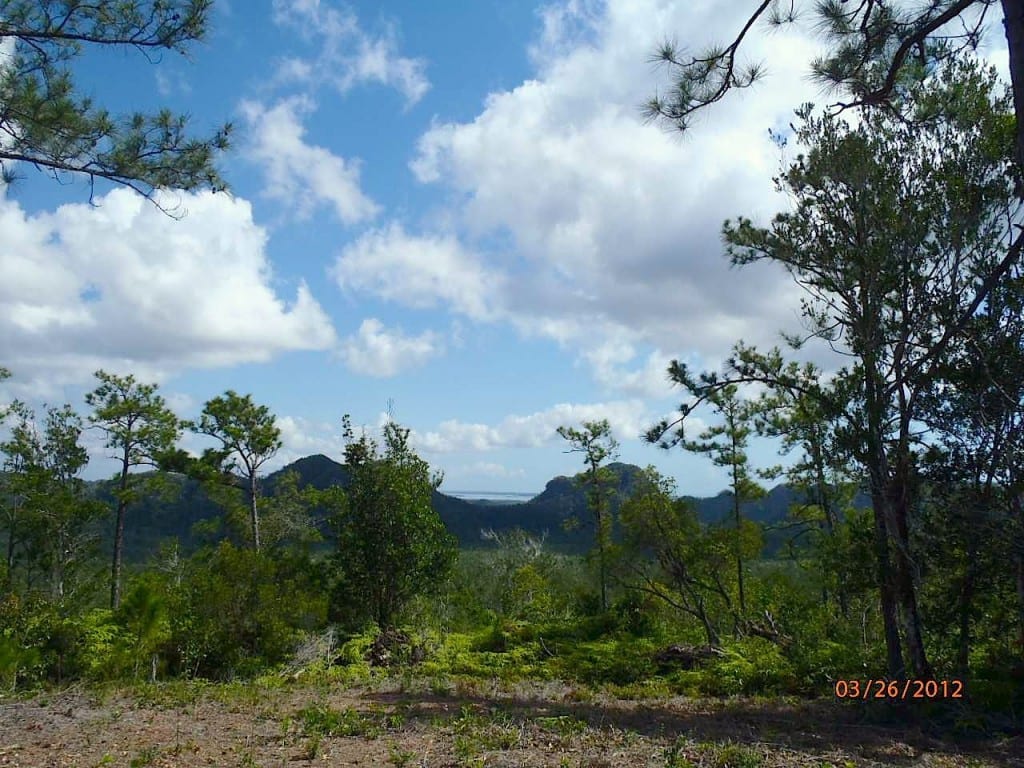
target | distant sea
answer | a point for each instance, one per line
(511, 497)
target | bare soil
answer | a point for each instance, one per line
(540, 724)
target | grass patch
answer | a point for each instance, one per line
(319, 720)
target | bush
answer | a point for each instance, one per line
(620, 661)
(104, 646)
(240, 611)
(752, 665)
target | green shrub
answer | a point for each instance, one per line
(752, 665)
(17, 664)
(614, 660)
(239, 611)
(26, 626)
(104, 646)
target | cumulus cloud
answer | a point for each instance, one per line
(378, 351)
(418, 271)
(628, 419)
(613, 226)
(347, 55)
(612, 366)
(301, 437)
(298, 174)
(123, 286)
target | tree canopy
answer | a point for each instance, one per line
(876, 48)
(248, 435)
(899, 234)
(392, 545)
(140, 429)
(47, 122)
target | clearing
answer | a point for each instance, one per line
(419, 723)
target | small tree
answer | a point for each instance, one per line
(597, 444)
(726, 444)
(56, 515)
(286, 517)
(392, 546)
(21, 451)
(248, 434)
(692, 562)
(825, 477)
(140, 428)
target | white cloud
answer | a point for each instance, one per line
(610, 364)
(348, 56)
(628, 419)
(488, 469)
(298, 174)
(418, 271)
(614, 225)
(301, 437)
(123, 286)
(378, 351)
(492, 469)
(169, 82)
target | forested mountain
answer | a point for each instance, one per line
(175, 512)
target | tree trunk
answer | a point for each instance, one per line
(966, 603)
(602, 565)
(11, 538)
(1013, 21)
(709, 630)
(877, 464)
(831, 521)
(115, 571)
(253, 511)
(886, 589)
(898, 511)
(122, 508)
(1018, 508)
(1020, 599)
(737, 519)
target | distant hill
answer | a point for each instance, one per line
(176, 513)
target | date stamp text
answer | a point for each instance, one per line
(899, 689)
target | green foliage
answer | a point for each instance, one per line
(238, 611)
(733, 756)
(25, 626)
(286, 518)
(754, 665)
(598, 445)
(319, 720)
(143, 616)
(137, 423)
(613, 660)
(693, 568)
(899, 234)
(139, 428)
(249, 437)
(48, 515)
(874, 54)
(726, 444)
(104, 646)
(521, 579)
(392, 546)
(48, 124)
(324, 720)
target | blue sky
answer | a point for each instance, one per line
(454, 206)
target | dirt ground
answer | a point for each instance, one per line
(484, 725)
